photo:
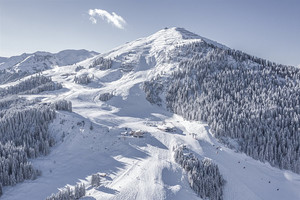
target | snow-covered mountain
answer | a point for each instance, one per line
(27, 64)
(134, 90)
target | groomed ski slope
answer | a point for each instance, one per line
(137, 168)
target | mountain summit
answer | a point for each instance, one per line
(162, 40)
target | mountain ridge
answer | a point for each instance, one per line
(25, 64)
(19, 58)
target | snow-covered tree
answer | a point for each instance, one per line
(101, 63)
(95, 180)
(69, 194)
(1, 192)
(83, 79)
(78, 68)
(250, 100)
(105, 96)
(33, 85)
(23, 136)
(204, 176)
(62, 105)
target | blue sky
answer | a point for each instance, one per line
(266, 28)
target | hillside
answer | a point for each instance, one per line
(138, 87)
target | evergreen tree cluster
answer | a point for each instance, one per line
(24, 129)
(83, 79)
(78, 68)
(101, 63)
(251, 101)
(95, 180)
(10, 101)
(14, 165)
(69, 194)
(152, 89)
(105, 96)
(28, 127)
(32, 85)
(7, 76)
(23, 135)
(62, 105)
(204, 176)
(126, 67)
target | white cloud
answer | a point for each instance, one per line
(93, 20)
(113, 18)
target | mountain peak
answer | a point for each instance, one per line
(163, 39)
(181, 32)
(176, 32)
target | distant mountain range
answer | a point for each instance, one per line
(19, 66)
